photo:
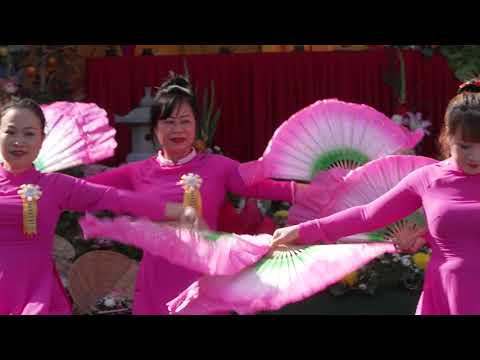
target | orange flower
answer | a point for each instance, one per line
(200, 145)
(351, 279)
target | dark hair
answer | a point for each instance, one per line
(28, 104)
(175, 90)
(463, 112)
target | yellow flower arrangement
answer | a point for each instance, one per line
(283, 214)
(421, 260)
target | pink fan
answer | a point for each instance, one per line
(316, 199)
(207, 252)
(285, 276)
(76, 134)
(361, 186)
(329, 133)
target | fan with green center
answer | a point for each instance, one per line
(328, 134)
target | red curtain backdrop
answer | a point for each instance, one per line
(257, 92)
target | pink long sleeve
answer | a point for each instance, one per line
(79, 195)
(266, 189)
(120, 178)
(394, 205)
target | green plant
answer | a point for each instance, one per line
(209, 118)
(396, 79)
(208, 115)
(464, 60)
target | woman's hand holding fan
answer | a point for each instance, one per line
(285, 236)
(174, 211)
(190, 220)
(360, 187)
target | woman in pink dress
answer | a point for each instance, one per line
(174, 123)
(449, 193)
(30, 205)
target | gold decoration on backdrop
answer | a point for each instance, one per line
(290, 48)
(93, 51)
(195, 49)
(157, 50)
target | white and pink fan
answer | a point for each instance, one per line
(327, 134)
(285, 276)
(206, 252)
(76, 134)
(361, 186)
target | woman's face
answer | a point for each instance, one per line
(21, 138)
(176, 134)
(465, 154)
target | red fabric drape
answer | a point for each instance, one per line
(257, 92)
(430, 86)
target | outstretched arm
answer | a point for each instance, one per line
(80, 195)
(265, 189)
(119, 178)
(394, 205)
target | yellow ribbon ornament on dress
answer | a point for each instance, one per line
(191, 197)
(30, 194)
